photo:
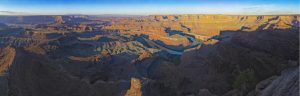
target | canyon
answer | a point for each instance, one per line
(155, 55)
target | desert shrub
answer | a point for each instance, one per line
(246, 80)
(177, 60)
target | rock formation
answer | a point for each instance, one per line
(59, 20)
(135, 88)
(287, 84)
(161, 55)
(201, 26)
(7, 56)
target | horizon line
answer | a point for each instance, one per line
(147, 14)
(12, 13)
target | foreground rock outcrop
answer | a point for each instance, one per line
(135, 88)
(287, 84)
(7, 56)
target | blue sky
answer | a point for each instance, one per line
(148, 7)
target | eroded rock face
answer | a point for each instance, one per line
(287, 84)
(77, 67)
(135, 61)
(74, 79)
(7, 56)
(59, 20)
(250, 56)
(135, 88)
(200, 26)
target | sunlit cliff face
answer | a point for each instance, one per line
(201, 26)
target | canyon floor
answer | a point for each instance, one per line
(156, 55)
